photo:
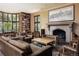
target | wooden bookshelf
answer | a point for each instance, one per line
(25, 22)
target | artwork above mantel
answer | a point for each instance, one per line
(62, 14)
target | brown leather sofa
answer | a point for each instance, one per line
(20, 48)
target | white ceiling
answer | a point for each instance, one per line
(24, 7)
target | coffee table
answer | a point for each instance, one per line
(44, 41)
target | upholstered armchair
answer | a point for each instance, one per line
(71, 49)
(36, 34)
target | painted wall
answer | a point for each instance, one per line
(44, 17)
(43, 21)
(76, 25)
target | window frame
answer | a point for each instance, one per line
(37, 23)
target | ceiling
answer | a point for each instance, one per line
(25, 7)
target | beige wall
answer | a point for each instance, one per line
(43, 21)
(44, 16)
(76, 28)
(77, 13)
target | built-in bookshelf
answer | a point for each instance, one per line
(25, 22)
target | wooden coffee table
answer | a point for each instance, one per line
(44, 41)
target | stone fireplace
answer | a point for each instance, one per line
(62, 29)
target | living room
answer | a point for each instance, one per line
(39, 29)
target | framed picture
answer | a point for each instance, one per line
(62, 14)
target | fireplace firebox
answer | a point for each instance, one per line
(61, 34)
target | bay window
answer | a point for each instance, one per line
(9, 22)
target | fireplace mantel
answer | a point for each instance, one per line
(56, 23)
(64, 25)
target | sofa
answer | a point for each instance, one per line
(11, 47)
(27, 38)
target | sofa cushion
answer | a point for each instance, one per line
(29, 36)
(22, 45)
(27, 51)
(34, 47)
(6, 38)
(15, 38)
(19, 44)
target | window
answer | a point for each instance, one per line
(9, 22)
(5, 18)
(0, 27)
(5, 26)
(17, 25)
(14, 22)
(37, 23)
(9, 17)
(0, 22)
